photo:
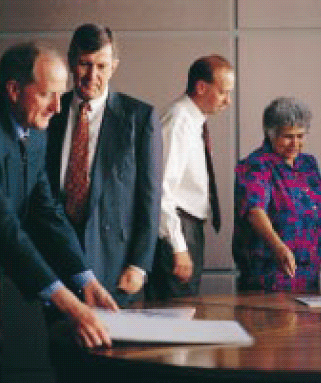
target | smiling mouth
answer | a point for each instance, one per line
(292, 152)
(89, 85)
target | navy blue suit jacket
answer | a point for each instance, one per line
(123, 215)
(37, 243)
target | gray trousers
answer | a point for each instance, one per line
(162, 284)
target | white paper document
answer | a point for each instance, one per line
(172, 312)
(312, 301)
(138, 327)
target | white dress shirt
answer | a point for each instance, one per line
(185, 177)
(95, 116)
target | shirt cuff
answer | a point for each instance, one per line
(177, 241)
(81, 279)
(47, 292)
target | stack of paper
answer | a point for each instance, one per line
(310, 300)
(139, 327)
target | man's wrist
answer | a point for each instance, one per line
(46, 293)
(81, 279)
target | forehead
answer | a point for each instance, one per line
(50, 74)
(224, 77)
(102, 55)
(292, 130)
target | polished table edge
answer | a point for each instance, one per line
(297, 321)
(168, 373)
(248, 300)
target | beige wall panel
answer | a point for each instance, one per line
(154, 67)
(59, 41)
(47, 15)
(279, 13)
(275, 64)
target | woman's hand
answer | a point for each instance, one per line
(261, 223)
(286, 260)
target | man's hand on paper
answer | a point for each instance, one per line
(96, 295)
(88, 329)
(131, 280)
(183, 266)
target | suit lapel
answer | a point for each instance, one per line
(108, 149)
(56, 132)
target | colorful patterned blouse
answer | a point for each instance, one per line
(291, 197)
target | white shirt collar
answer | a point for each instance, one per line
(21, 132)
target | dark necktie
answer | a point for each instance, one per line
(24, 160)
(77, 177)
(211, 177)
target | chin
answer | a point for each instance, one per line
(88, 93)
(42, 125)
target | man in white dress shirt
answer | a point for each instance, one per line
(187, 188)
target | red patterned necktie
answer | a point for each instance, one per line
(77, 178)
(216, 217)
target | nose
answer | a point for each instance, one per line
(91, 72)
(55, 103)
(294, 140)
(228, 99)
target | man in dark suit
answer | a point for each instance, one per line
(117, 219)
(39, 249)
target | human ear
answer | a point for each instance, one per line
(13, 90)
(201, 87)
(114, 65)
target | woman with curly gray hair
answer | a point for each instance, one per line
(277, 223)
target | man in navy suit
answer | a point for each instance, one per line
(39, 249)
(119, 227)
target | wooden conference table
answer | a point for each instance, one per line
(287, 346)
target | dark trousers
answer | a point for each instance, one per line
(162, 284)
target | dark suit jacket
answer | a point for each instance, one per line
(37, 244)
(122, 223)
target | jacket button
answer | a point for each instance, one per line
(107, 227)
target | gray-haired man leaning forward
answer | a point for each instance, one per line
(39, 249)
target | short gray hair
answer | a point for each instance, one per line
(285, 111)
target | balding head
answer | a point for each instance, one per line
(18, 63)
(210, 82)
(32, 82)
(204, 69)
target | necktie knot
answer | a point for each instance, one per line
(84, 107)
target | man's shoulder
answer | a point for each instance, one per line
(177, 117)
(6, 130)
(120, 102)
(178, 106)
